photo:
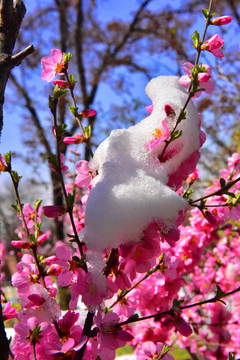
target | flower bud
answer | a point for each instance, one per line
(88, 113)
(222, 20)
(19, 244)
(54, 211)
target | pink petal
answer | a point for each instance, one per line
(56, 56)
(218, 53)
(185, 81)
(183, 327)
(187, 66)
(208, 86)
(149, 348)
(149, 108)
(68, 345)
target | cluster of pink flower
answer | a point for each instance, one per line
(150, 278)
(189, 268)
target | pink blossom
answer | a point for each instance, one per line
(203, 78)
(37, 302)
(182, 326)
(64, 168)
(159, 136)
(64, 259)
(54, 269)
(169, 110)
(52, 65)
(31, 216)
(25, 337)
(109, 335)
(222, 20)
(234, 162)
(214, 45)
(26, 273)
(193, 176)
(152, 351)
(41, 239)
(3, 166)
(53, 166)
(210, 217)
(9, 312)
(63, 84)
(149, 109)
(21, 244)
(88, 113)
(52, 211)
(83, 178)
(71, 338)
(77, 139)
(91, 289)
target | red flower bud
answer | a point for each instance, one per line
(21, 244)
(54, 211)
(222, 20)
(169, 110)
(88, 113)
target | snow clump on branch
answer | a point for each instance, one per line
(132, 187)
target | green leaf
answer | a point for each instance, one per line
(53, 161)
(222, 183)
(15, 207)
(34, 334)
(71, 199)
(73, 109)
(232, 195)
(76, 258)
(182, 116)
(188, 193)
(32, 238)
(67, 57)
(7, 157)
(231, 356)
(166, 349)
(58, 92)
(220, 294)
(177, 303)
(176, 135)
(52, 103)
(133, 318)
(88, 131)
(71, 236)
(205, 13)
(196, 39)
(60, 129)
(16, 177)
(202, 89)
(72, 80)
(37, 204)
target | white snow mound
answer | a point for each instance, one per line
(130, 190)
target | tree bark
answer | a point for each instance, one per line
(3, 338)
(11, 16)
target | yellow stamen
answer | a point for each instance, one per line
(59, 68)
(157, 133)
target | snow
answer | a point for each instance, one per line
(130, 189)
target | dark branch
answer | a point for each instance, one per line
(11, 16)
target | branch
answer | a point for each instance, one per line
(234, 9)
(79, 52)
(34, 116)
(3, 337)
(11, 16)
(109, 56)
(158, 316)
